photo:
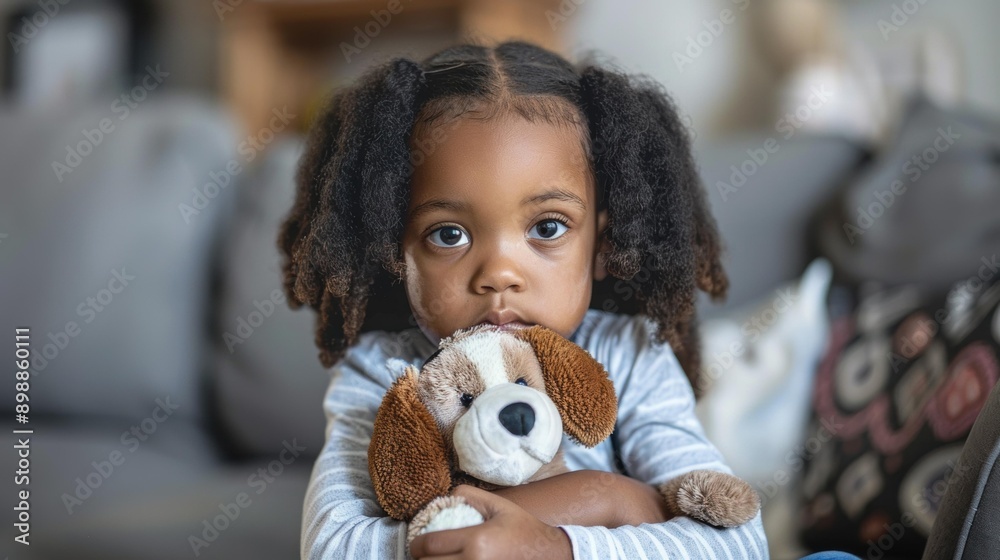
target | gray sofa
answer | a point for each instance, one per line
(180, 414)
(146, 428)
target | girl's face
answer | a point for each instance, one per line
(501, 228)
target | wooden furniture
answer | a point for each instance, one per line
(285, 54)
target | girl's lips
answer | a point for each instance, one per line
(509, 326)
(504, 317)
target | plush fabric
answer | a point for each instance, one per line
(410, 465)
(578, 386)
(485, 447)
(414, 450)
(717, 499)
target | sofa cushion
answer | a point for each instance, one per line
(761, 221)
(925, 211)
(98, 495)
(269, 383)
(98, 260)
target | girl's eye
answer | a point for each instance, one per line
(549, 229)
(467, 400)
(448, 236)
(521, 381)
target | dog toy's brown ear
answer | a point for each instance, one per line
(577, 384)
(407, 459)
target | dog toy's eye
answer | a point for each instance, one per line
(467, 400)
(521, 381)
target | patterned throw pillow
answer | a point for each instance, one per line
(901, 384)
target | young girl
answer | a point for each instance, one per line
(498, 184)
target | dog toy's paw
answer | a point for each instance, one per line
(716, 498)
(443, 512)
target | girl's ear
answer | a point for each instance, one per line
(577, 384)
(407, 459)
(602, 247)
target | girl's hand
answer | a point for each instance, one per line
(508, 532)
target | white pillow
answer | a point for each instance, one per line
(760, 363)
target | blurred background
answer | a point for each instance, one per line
(850, 151)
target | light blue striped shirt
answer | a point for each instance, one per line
(657, 435)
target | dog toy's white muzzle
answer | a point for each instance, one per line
(509, 432)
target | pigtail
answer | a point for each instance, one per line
(643, 163)
(710, 277)
(351, 192)
(615, 139)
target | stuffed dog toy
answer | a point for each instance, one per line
(489, 408)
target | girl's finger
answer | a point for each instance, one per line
(438, 543)
(486, 503)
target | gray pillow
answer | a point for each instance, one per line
(97, 258)
(763, 210)
(926, 209)
(269, 381)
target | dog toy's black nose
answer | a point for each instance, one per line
(518, 418)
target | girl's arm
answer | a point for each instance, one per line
(341, 516)
(659, 438)
(589, 498)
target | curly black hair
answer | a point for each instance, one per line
(342, 235)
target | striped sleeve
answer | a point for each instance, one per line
(658, 438)
(341, 517)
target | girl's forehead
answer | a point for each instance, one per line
(503, 156)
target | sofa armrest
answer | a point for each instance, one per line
(967, 525)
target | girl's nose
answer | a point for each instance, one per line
(498, 273)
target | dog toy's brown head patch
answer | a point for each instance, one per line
(469, 362)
